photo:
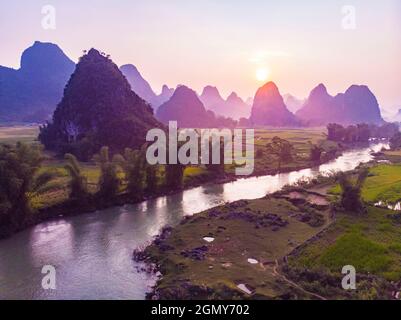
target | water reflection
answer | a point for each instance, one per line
(92, 252)
(47, 236)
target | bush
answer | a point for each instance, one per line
(109, 182)
(78, 183)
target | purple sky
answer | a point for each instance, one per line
(232, 44)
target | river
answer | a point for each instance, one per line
(92, 252)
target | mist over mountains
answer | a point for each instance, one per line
(233, 107)
(293, 103)
(143, 89)
(31, 94)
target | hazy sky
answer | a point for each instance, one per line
(225, 42)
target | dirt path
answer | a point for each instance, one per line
(293, 284)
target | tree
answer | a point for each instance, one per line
(78, 183)
(151, 178)
(109, 182)
(21, 180)
(364, 132)
(282, 149)
(133, 164)
(315, 153)
(174, 176)
(259, 153)
(387, 130)
(395, 141)
(351, 134)
(335, 132)
(351, 199)
(218, 168)
(361, 132)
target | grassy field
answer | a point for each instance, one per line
(301, 140)
(241, 231)
(383, 184)
(11, 135)
(371, 244)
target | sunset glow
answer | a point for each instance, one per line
(262, 74)
(172, 151)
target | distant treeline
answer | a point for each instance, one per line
(360, 132)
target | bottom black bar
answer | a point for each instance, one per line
(144, 310)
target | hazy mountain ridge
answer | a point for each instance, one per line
(32, 92)
(142, 87)
(233, 107)
(269, 109)
(293, 103)
(138, 84)
(187, 109)
(357, 105)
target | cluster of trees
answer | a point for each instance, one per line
(138, 176)
(351, 200)
(360, 132)
(316, 153)
(395, 141)
(21, 179)
(282, 149)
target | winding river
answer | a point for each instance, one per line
(92, 252)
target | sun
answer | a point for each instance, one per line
(262, 74)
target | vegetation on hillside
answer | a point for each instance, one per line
(98, 109)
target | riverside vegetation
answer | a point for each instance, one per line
(107, 180)
(289, 245)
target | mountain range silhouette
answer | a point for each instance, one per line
(31, 94)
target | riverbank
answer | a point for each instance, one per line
(256, 250)
(219, 253)
(104, 241)
(209, 256)
(71, 207)
(54, 201)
